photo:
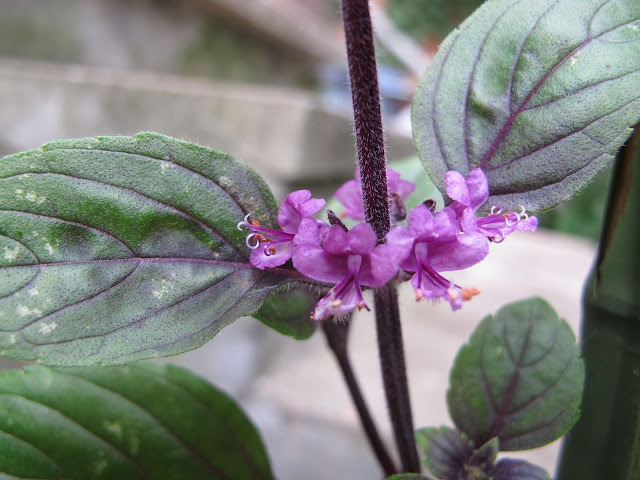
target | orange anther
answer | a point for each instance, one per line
(469, 293)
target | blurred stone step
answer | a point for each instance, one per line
(285, 134)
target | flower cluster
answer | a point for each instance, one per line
(431, 243)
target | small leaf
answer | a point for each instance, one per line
(519, 378)
(508, 469)
(289, 313)
(445, 451)
(116, 249)
(540, 94)
(141, 421)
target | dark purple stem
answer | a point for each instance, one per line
(394, 375)
(336, 334)
(365, 94)
(363, 75)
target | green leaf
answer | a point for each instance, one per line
(539, 93)
(141, 421)
(508, 469)
(445, 451)
(289, 313)
(519, 378)
(116, 249)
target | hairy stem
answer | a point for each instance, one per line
(394, 374)
(336, 335)
(365, 94)
(363, 75)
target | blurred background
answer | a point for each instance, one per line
(266, 81)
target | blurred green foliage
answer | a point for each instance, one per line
(430, 18)
(583, 214)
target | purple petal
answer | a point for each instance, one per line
(271, 255)
(478, 188)
(362, 239)
(457, 187)
(296, 206)
(310, 232)
(350, 195)
(467, 250)
(421, 221)
(400, 241)
(335, 241)
(379, 267)
(528, 225)
(314, 262)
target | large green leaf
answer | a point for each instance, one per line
(519, 378)
(142, 421)
(116, 249)
(539, 93)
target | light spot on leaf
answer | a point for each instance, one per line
(134, 445)
(574, 58)
(23, 311)
(11, 254)
(33, 291)
(165, 287)
(12, 339)
(46, 328)
(114, 428)
(100, 466)
(49, 248)
(19, 192)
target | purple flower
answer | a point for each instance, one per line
(272, 248)
(350, 260)
(350, 193)
(439, 246)
(469, 194)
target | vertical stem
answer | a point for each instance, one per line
(365, 94)
(363, 75)
(394, 374)
(336, 335)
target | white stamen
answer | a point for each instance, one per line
(496, 210)
(243, 223)
(522, 215)
(252, 246)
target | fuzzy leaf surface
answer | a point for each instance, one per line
(142, 421)
(116, 249)
(539, 93)
(519, 378)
